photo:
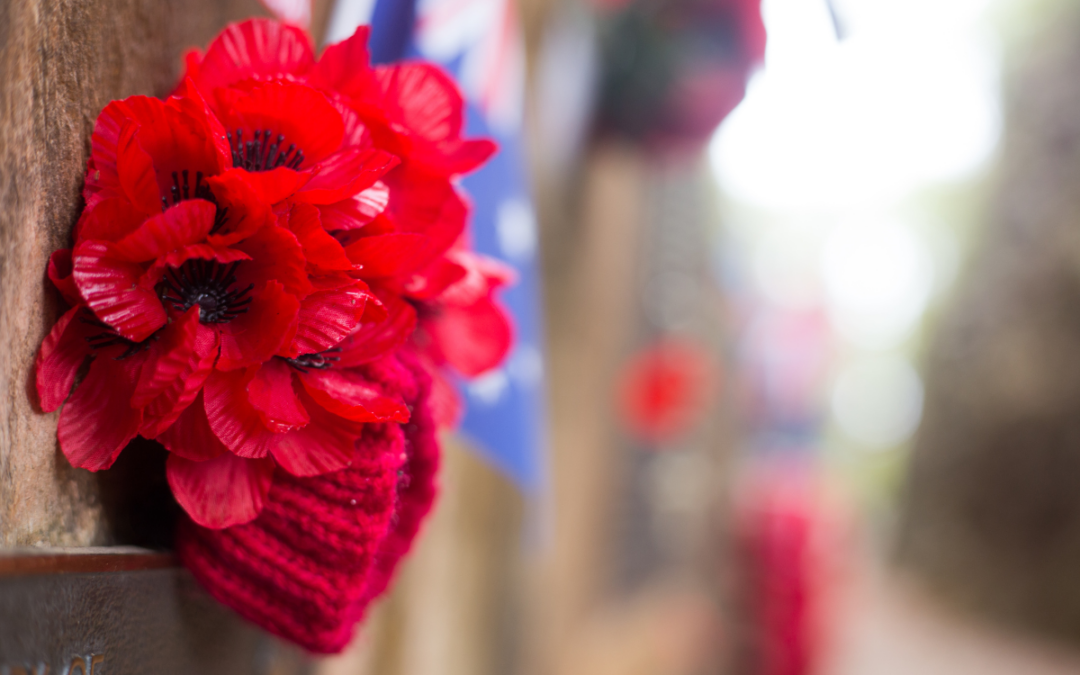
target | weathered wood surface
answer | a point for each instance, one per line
(992, 512)
(61, 61)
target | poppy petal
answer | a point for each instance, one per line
(357, 132)
(344, 392)
(112, 290)
(422, 98)
(191, 101)
(232, 417)
(177, 258)
(302, 115)
(323, 252)
(245, 212)
(344, 66)
(472, 339)
(327, 318)
(257, 48)
(387, 255)
(98, 420)
(62, 353)
(109, 220)
(324, 445)
(276, 185)
(170, 382)
(167, 359)
(135, 169)
(434, 279)
(330, 281)
(276, 255)
(446, 405)
(355, 212)
(379, 338)
(59, 272)
(106, 137)
(373, 310)
(271, 393)
(220, 492)
(190, 436)
(259, 333)
(432, 208)
(181, 147)
(459, 156)
(186, 223)
(483, 274)
(345, 173)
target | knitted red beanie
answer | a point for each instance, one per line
(324, 547)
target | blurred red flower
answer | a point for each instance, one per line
(666, 388)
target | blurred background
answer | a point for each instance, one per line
(796, 381)
(798, 388)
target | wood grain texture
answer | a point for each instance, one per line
(148, 622)
(61, 61)
(86, 560)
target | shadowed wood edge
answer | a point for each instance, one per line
(35, 561)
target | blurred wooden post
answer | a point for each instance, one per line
(590, 298)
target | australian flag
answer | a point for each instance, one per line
(477, 41)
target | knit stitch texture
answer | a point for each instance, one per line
(325, 547)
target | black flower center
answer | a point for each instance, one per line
(180, 191)
(318, 361)
(206, 283)
(263, 153)
(108, 337)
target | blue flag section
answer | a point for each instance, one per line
(478, 43)
(505, 408)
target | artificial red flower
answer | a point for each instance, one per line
(269, 262)
(413, 109)
(174, 229)
(463, 326)
(399, 232)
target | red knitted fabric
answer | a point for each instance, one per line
(416, 494)
(324, 547)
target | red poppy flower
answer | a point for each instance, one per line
(271, 399)
(398, 232)
(254, 289)
(464, 326)
(413, 111)
(129, 386)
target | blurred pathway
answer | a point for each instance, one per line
(888, 626)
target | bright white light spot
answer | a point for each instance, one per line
(878, 278)
(488, 389)
(878, 401)
(905, 102)
(515, 226)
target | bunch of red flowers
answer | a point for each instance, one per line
(251, 248)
